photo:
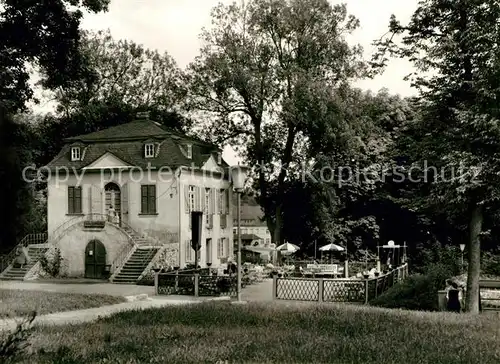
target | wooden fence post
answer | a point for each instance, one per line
(156, 283)
(196, 284)
(275, 288)
(320, 290)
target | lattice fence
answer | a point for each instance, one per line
(217, 286)
(297, 289)
(343, 291)
(178, 284)
(190, 284)
(336, 290)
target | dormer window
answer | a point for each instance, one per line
(76, 154)
(149, 150)
(189, 151)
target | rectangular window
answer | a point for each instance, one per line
(222, 202)
(75, 154)
(189, 251)
(189, 148)
(192, 198)
(207, 206)
(74, 200)
(223, 221)
(225, 247)
(149, 150)
(148, 199)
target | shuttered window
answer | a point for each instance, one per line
(220, 248)
(74, 200)
(189, 251)
(148, 199)
(226, 197)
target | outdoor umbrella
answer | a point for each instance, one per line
(332, 248)
(287, 249)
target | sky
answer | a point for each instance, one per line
(174, 26)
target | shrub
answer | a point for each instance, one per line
(447, 255)
(418, 292)
(490, 264)
(53, 266)
(15, 342)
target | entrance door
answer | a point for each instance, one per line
(95, 260)
(113, 202)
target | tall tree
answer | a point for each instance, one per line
(455, 48)
(121, 71)
(47, 37)
(351, 196)
(257, 69)
(44, 34)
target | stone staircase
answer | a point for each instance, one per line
(35, 253)
(135, 265)
(138, 239)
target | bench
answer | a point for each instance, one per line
(491, 285)
(323, 270)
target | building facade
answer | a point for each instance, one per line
(124, 195)
(253, 224)
(255, 235)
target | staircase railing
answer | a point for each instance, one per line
(159, 245)
(29, 239)
(121, 259)
(61, 229)
(122, 225)
(153, 258)
(128, 250)
(40, 238)
(56, 236)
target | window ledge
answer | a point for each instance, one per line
(149, 214)
(75, 214)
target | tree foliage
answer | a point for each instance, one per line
(122, 71)
(455, 48)
(41, 34)
(44, 35)
(259, 68)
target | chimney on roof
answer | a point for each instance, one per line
(144, 115)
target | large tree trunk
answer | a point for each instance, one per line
(472, 297)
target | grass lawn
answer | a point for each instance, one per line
(17, 302)
(272, 333)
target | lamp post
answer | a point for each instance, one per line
(238, 177)
(378, 258)
(462, 248)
